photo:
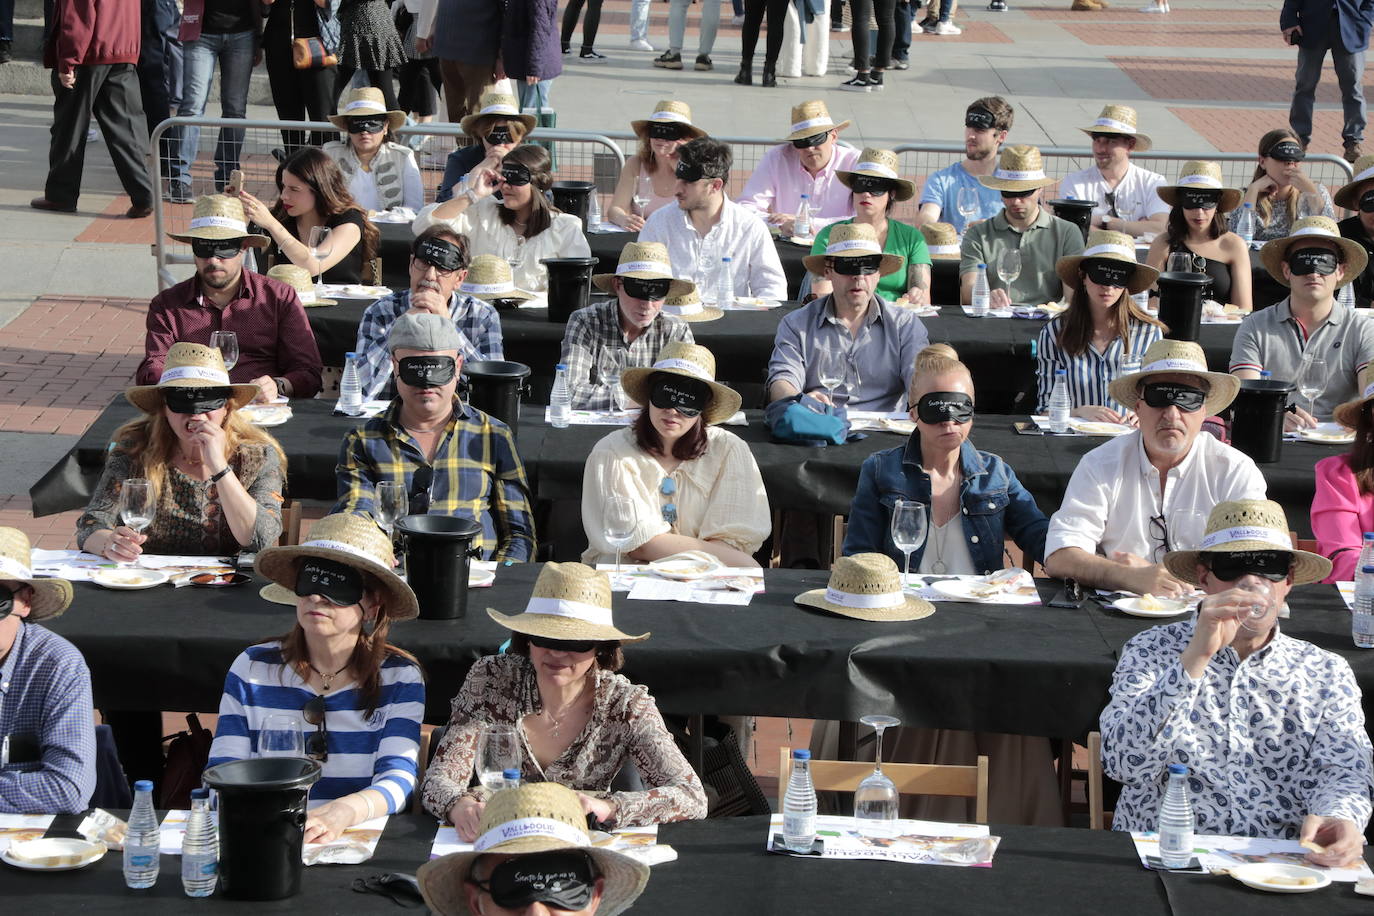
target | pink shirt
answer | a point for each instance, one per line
(779, 181)
(1340, 516)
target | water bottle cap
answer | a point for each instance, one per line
(806, 197)
(1248, 205)
(1061, 372)
(1369, 535)
(143, 785)
(350, 355)
(512, 773)
(726, 258)
(1368, 570)
(562, 366)
(1265, 373)
(801, 753)
(982, 267)
(200, 793)
(1177, 769)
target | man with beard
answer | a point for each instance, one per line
(1114, 526)
(277, 350)
(1123, 194)
(986, 123)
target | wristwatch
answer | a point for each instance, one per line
(283, 389)
(465, 190)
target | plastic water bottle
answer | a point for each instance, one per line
(141, 861)
(725, 282)
(200, 848)
(593, 210)
(510, 779)
(802, 227)
(560, 399)
(350, 389)
(1059, 402)
(1362, 618)
(1245, 223)
(799, 805)
(982, 293)
(1176, 820)
(1366, 551)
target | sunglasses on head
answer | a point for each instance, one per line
(317, 742)
(186, 400)
(1306, 261)
(867, 184)
(515, 175)
(366, 125)
(1267, 564)
(647, 290)
(857, 267)
(811, 141)
(560, 880)
(1161, 395)
(224, 249)
(665, 131)
(563, 645)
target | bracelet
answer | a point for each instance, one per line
(216, 478)
(367, 800)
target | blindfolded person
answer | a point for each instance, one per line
(381, 173)
(951, 191)
(1358, 196)
(499, 128)
(1276, 192)
(806, 162)
(649, 178)
(1343, 504)
(1197, 226)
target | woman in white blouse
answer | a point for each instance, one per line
(506, 212)
(381, 174)
(694, 485)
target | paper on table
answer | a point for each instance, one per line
(1347, 590)
(1020, 590)
(621, 417)
(913, 842)
(631, 573)
(19, 828)
(990, 313)
(356, 844)
(1218, 852)
(652, 588)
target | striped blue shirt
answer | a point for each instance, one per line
(379, 752)
(1090, 372)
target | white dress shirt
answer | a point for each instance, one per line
(1114, 492)
(1135, 195)
(738, 233)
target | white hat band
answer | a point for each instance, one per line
(875, 167)
(1173, 365)
(1013, 175)
(1367, 173)
(578, 610)
(813, 122)
(1201, 181)
(849, 599)
(365, 105)
(853, 245)
(343, 547)
(626, 267)
(488, 289)
(204, 373)
(498, 108)
(687, 366)
(943, 249)
(669, 116)
(1110, 249)
(1248, 533)
(1114, 125)
(691, 308)
(524, 827)
(1315, 230)
(11, 568)
(219, 222)
(1369, 390)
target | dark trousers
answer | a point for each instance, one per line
(299, 95)
(110, 92)
(858, 32)
(6, 20)
(902, 14)
(589, 28)
(378, 79)
(749, 32)
(152, 77)
(420, 85)
(1349, 75)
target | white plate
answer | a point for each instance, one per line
(684, 570)
(130, 577)
(1328, 434)
(755, 302)
(1255, 874)
(357, 291)
(88, 852)
(479, 577)
(1097, 428)
(798, 240)
(1172, 607)
(963, 589)
(266, 414)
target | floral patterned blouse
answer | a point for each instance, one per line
(188, 519)
(625, 725)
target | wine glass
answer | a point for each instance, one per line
(967, 203)
(280, 736)
(830, 366)
(321, 243)
(392, 504)
(136, 504)
(875, 800)
(1263, 601)
(1187, 527)
(1311, 381)
(516, 258)
(608, 366)
(643, 192)
(1311, 204)
(227, 342)
(498, 750)
(620, 524)
(1009, 268)
(1180, 262)
(908, 531)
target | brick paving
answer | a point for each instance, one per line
(1231, 80)
(1127, 11)
(1154, 34)
(1238, 129)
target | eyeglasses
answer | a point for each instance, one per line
(366, 125)
(647, 290)
(668, 487)
(867, 184)
(420, 482)
(317, 743)
(224, 249)
(811, 141)
(1159, 529)
(1273, 565)
(1162, 395)
(563, 645)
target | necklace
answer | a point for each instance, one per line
(938, 566)
(556, 721)
(327, 678)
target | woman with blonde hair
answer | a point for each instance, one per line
(649, 174)
(216, 479)
(1277, 188)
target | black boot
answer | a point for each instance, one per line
(745, 76)
(770, 76)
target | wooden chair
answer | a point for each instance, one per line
(910, 778)
(427, 745)
(290, 524)
(1096, 816)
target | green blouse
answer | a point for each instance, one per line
(903, 240)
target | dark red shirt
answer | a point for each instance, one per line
(274, 335)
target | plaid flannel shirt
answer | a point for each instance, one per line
(477, 474)
(596, 328)
(477, 323)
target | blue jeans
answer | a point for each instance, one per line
(234, 53)
(536, 96)
(639, 20)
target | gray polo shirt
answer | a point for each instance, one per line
(1273, 339)
(1043, 243)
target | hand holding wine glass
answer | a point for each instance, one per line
(227, 342)
(321, 244)
(137, 506)
(908, 532)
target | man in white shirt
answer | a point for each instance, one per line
(1113, 527)
(1123, 194)
(706, 226)
(804, 163)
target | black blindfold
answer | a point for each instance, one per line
(1367, 202)
(515, 174)
(427, 371)
(560, 880)
(6, 601)
(1107, 273)
(857, 267)
(648, 290)
(686, 171)
(662, 131)
(224, 249)
(688, 397)
(1287, 151)
(338, 584)
(440, 253)
(1267, 564)
(195, 400)
(813, 140)
(859, 183)
(944, 407)
(366, 125)
(499, 135)
(1162, 395)
(1306, 261)
(1191, 199)
(979, 119)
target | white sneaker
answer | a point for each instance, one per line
(737, 20)
(1154, 9)
(93, 135)
(947, 28)
(639, 44)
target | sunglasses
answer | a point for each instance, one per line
(562, 881)
(811, 141)
(1017, 194)
(1159, 529)
(1273, 565)
(867, 184)
(224, 249)
(515, 175)
(366, 125)
(316, 743)
(665, 132)
(1161, 395)
(563, 645)
(1312, 261)
(647, 290)
(420, 482)
(857, 267)
(667, 488)
(194, 400)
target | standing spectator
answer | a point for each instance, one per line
(639, 26)
(589, 29)
(465, 35)
(6, 31)
(420, 80)
(806, 41)
(671, 59)
(93, 72)
(298, 95)
(749, 40)
(529, 53)
(161, 23)
(1342, 26)
(368, 41)
(868, 78)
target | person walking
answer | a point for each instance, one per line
(1343, 27)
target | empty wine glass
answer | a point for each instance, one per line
(392, 504)
(830, 366)
(137, 504)
(227, 342)
(498, 750)
(1187, 527)
(1311, 381)
(908, 532)
(1180, 262)
(280, 736)
(516, 258)
(644, 190)
(1263, 602)
(1311, 204)
(1009, 268)
(620, 524)
(967, 204)
(321, 243)
(608, 366)
(875, 800)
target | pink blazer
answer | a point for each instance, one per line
(1340, 516)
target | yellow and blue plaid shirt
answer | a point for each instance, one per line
(476, 474)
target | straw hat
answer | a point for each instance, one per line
(691, 361)
(536, 817)
(299, 279)
(190, 365)
(1350, 193)
(1248, 524)
(1348, 414)
(669, 111)
(498, 105)
(1177, 356)
(570, 601)
(688, 307)
(366, 102)
(1105, 245)
(866, 586)
(353, 540)
(1202, 175)
(878, 163)
(811, 118)
(644, 261)
(50, 596)
(1275, 252)
(1118, 119)
(219, 217)
(853, 240)
(1019, 168)
(942, 241)
(489, 279)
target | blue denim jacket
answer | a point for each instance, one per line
(994, 505)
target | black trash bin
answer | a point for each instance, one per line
(437, 551)
(262, 806)
(1257, 417)
(570, 285)
(495, 387)
(1078, 212)
(574, 197)
(1180, 303)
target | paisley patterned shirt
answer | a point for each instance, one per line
(625, 725)
(1267, 740)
